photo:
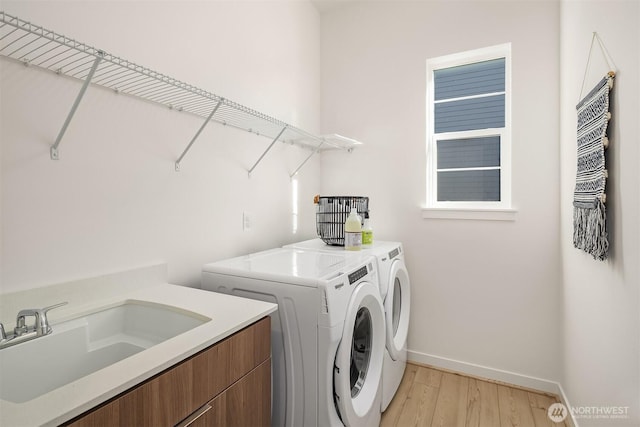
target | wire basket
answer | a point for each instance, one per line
(332, 214)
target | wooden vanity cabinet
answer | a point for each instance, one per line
(241, 405)
(226, 384)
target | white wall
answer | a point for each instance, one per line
(483, 292)
(113, 200)
(601, 299)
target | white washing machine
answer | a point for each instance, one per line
(395, 291)
(327, 336)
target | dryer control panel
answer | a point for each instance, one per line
(358, 274)
(394, 253)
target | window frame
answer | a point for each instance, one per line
(453, 60)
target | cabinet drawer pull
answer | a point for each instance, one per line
(197, 414)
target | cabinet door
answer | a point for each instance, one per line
(246, 403)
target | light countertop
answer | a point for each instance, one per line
(228, 315)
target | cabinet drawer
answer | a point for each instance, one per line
(245, 403)
(174, 394)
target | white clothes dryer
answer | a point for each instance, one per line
(327, 337)
(395, 291)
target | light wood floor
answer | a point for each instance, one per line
(430, 397)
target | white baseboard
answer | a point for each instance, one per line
(563, 397)
(494, 374)
(484, 372)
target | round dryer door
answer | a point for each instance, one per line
(358, 366)
(396, 308)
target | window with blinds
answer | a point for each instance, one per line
(468, 129)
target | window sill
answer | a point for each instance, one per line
(470, 214)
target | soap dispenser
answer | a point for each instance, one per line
(353, 232)
(367, 232)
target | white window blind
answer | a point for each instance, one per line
(469, 130)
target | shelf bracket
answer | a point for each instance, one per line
(267, 150)
(198, 133)
(54, 148)
(315, 151)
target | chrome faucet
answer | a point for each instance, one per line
(23, 332)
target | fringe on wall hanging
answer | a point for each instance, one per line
(589, 211)
(589, 198)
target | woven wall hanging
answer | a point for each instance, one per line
(589, 198)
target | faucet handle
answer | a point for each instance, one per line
(44, 327)
(3, 334)
(51, 307)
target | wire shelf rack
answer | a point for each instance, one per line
(36, 46)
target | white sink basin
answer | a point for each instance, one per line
(78, 347)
